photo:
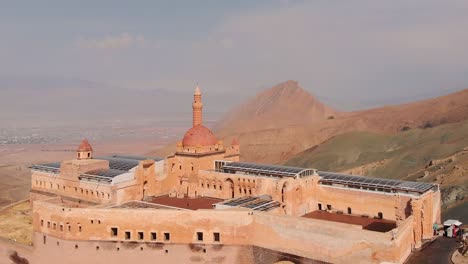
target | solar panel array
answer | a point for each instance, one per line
(136, 157)
(143, 205)
(265, 170)
(118, 164)
(255, 203)
(375, 183)
(53, 167)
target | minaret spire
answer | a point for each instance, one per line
(197, 107)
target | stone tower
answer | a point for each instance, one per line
(197, 107)
(84, 151)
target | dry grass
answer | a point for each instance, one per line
(16, 223)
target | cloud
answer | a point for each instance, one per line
(349, 51)
(353, 52)
(122, 41)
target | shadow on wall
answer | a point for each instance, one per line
(17, 259)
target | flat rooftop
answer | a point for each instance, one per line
(372, 224)
(185, 202)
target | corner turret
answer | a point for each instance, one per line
(84, 151)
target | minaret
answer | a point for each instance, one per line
(197, 107)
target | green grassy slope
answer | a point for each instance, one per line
(404, 153)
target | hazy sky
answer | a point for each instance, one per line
(352, 53)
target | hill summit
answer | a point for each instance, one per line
(285, 104)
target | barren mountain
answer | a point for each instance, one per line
(285, 120)
(284, 105)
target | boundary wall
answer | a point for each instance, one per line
(309, 238)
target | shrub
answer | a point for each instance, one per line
(428, 124)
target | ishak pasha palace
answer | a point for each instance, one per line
(202, 204)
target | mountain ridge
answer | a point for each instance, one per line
(285, 134)
(273, 108)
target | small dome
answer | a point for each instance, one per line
(84, 146)
(199, 136)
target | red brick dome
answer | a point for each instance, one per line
(199, 136)
(84, 146)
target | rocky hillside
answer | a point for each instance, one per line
(436, 155)
(285, 120)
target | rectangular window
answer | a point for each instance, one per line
(216, 237)
(48, 224)
(349, 210)
(69, 228)
(114, 231)
(200, 236)
(55, 226)
(380, 215)
(79, 228)
(320, 206)
(167, 236)
(153, 236)
(42, 222)
(61, 228)
(329, 207)
(140, 235)
(128, 235)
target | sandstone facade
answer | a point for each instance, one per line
(101, 208)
